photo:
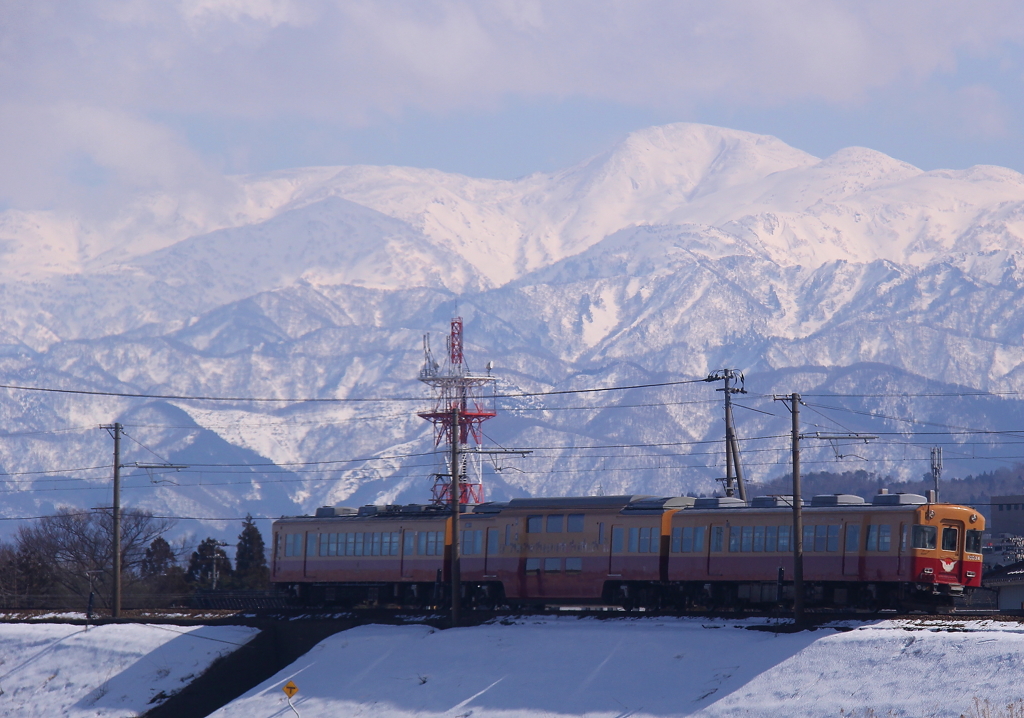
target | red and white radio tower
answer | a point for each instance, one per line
(457, 393)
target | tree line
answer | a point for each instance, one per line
(65, 560)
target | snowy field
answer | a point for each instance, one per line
(651, 667)
(51, 670)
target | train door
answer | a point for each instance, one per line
(408, 552)
(310, 552)
(716, 549)
(616, 557)
(851, 550)
(491, 553)
(277, 552)
(950, 543)
(903, 549)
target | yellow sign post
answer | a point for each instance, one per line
(290, 689)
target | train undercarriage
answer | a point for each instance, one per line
(682, 597)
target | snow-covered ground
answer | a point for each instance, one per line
(651, 667)
(50, 670)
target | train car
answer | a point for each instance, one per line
(374, 554)
(899, 551)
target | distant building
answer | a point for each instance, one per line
(1007, 515)
(1009, 583)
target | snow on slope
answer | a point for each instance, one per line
(650, 667)
(51, 670)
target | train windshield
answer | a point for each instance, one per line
(973, 542)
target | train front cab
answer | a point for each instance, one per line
(945, 545)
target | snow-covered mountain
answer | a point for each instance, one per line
(683, 249)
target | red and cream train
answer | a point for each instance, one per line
(898, 551)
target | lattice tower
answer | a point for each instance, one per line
(457, 388)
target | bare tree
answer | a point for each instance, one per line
(77, 548)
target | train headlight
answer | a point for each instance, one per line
(974, 518)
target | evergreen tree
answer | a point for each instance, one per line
(250, 557)
(209, 566)
(159, 558)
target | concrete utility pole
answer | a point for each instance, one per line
(798, 517)
(115, 603)
(794, 401)
(733, 469)
(936, 469)
(115, 430)
(456, 498)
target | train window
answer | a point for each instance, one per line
(410, 543)
(833, 538)
(600, 533)
(924, 537)
(734, 538)
(884, 537)
(574, 523)
(534, 524)
(421, 543)
(492, 541)
(618, 538)
(311, 542)
(634, 539)
(359, 544)
(394, 543)
(785, 532)
(746, 539)
(771, 538)
(574, 565)
(677, 539)
(821, 537)
(350, 545)
(871, 540)
(717, 537)
(289, 544)
(432, 543)
(646, 545)
(950, 538)
(325, 539)
(472, 542)
(687, 539)
(552, 565)
(533, 565)
(759, 538)
(385, 543)
(852, 538)
(698, 539)
(374, 543)
(554, 523)
(973, 541)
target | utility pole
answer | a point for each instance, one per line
(733, 469)
(798, 518)
(115, 430)
(794, 401)
(936, 469)
(115, 603)
(456, 498)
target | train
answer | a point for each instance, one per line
(897, 551)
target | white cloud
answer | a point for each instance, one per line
(119, 65)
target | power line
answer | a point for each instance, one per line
(327, 400)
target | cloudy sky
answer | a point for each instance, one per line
(114, 96)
